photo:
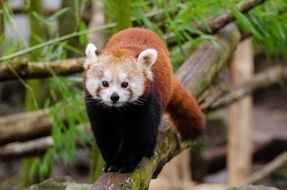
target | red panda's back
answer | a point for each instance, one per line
(139, 39)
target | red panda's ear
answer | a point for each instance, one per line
(147, 58)
(91, 53)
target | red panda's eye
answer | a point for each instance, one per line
(105, 84)
(124, 84)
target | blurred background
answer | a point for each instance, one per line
(44, 131)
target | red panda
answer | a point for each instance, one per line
(128, 86)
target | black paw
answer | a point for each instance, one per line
(105, 169)
(149, 152)
(119, 168)
(111, 168)
(127, 168)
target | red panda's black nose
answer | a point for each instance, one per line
(115, 97)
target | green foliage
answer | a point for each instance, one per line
(270, 23)
(118, 11)
(179, 16)
(266, 23)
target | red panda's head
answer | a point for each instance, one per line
(117, 77)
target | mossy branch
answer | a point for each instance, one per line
(28, 70)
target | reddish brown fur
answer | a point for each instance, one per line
(185, 112)
(138, 40)
(173, 97)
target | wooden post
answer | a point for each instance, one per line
(176, 174)
(240, 118)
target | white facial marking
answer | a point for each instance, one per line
(138, 89)
(115, 74)
(91, 85)
(122, 77)
(107, 76)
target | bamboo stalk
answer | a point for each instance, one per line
(122, 14)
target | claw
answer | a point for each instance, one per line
(113, 168)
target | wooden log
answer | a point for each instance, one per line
(28, 70)
(24, 126)
(34, 147)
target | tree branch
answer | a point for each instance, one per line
(272, 166)
(28, 70)
(27, 148)
(271, 76)
(24, 126)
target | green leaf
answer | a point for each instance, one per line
(7, 14)
(244, 22)
(58, 13)
(41, 19)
